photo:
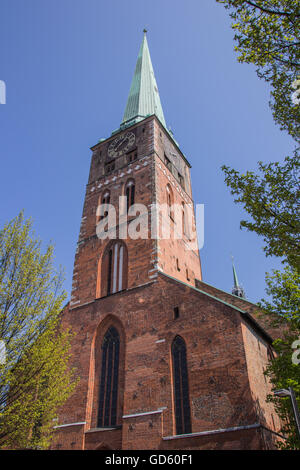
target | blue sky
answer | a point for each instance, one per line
(68, 65)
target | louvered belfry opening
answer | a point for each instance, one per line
(181, 387)
(108, 396)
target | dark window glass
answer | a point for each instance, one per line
(109, 167)
(108, 396)
(181, 387)
(106, 200)
(181, 180)
(132, 156)
(176, 312)
(168, 162)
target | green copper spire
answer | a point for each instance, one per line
(143, 97)
(235, 279)
(237, 289)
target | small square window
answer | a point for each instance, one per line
(132, 156)
(181, 180)
(167, 162)
(109, 167)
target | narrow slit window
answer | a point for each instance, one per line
(130, 194)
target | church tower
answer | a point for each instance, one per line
(140, 162)
(165, 360)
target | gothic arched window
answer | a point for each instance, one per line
(130, 193)
(114, 269)
(108, 394)
(103, 200)
(170, 200)
(181, 387)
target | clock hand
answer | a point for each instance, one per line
(120, 143)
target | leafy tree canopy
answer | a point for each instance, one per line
(35, 379)
(267, 35)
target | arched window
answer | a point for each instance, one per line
(184, 225)
(130, 193)
(170, 200)
(103, 200)
(114, 269)
(181, 387)
(108, 394)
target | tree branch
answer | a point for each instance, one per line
(267, 10)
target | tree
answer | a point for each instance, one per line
(35, 379)
(267, 35)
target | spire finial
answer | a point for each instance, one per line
(143, 99)
(237, 289)
(145, 31)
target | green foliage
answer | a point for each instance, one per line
(267, 35)
(283, 373)
(284, 313)
(283, 287)
(35, 380)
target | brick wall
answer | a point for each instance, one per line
(221, 389)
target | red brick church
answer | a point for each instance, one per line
(165, 360)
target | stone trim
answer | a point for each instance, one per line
(69, 424)
(136, 415)
(113, 428)
(214, 431)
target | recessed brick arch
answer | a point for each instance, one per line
(110, 321)
(129, 192)
(103, 199)
(170, 200)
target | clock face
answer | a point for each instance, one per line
(121, 144)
